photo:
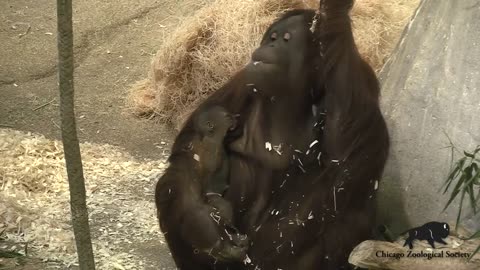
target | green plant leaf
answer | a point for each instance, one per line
(456, 190)
(468, 154)
(452, 197)
(477, 177)
(460, 209)
(475, 252)
(454, 173)
(9, 254)
(473, 203)
(468, 187)
(476, 150)
(467, 181)
(474, 236)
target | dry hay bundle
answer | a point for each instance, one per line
(34, 199)
(209, 47)
(377, 26)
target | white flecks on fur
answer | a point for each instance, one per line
(314, 22)
(229, 235)
(215, 217)
(313, 143)
(278, 149)
(300, 161)
(268, 146)
(247, 260)
(376, 185)
(334, 200)
(310, 215)
(196, 157)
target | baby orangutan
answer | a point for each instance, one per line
(195, 219)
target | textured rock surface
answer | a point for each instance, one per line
(430, 90)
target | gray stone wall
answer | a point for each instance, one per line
(430, 89)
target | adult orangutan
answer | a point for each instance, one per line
(310, 145)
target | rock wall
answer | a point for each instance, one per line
(430, 89)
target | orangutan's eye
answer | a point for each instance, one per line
(273, 37)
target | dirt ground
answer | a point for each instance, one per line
(114, 42)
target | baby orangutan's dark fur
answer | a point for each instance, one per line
(198, 225)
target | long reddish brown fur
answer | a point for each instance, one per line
(322, 213)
